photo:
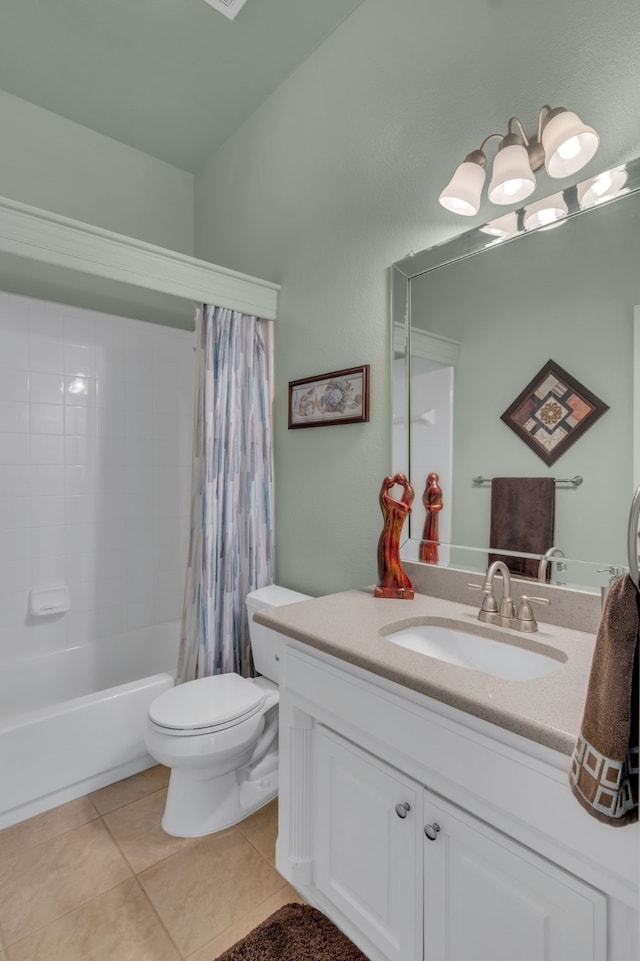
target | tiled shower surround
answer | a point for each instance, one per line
(95, 470)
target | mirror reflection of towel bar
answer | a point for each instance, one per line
(567, 481)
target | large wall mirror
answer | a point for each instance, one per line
(473, 321)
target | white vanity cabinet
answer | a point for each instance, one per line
(408, 841)
(491, 899)
(380, 840)
(367, 841)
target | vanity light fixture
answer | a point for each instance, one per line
(562, 144)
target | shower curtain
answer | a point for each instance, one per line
(230, 549)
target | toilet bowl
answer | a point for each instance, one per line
(219, 735)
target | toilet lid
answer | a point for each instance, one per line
(208, 702)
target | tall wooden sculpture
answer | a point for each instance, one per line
(392, 580)
(432, 500)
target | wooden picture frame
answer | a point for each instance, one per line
(340, 397)
(552, 412)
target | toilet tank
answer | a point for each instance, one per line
(266, 644)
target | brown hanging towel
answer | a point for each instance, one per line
(604, 766)
(523, 513)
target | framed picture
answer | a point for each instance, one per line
(341, 397)
(552, 412)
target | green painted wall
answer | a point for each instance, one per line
(51, 162)
(337, 175)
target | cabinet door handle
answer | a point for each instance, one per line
(402, 809)
(432, 831)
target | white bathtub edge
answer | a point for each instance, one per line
(73, 791)
(51, 757)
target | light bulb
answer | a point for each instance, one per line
(513, 187)
(569, 149)
(546, 217)
(546, 213)
(602, 184)
(461, 207)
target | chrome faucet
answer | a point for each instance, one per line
(505, 614)
(544, 563)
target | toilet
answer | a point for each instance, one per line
(219, 735)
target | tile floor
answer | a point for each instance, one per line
(98, 879)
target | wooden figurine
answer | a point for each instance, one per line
(392, 580)
(432, 500)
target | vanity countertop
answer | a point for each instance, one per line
(350, 626)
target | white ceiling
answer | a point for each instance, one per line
(173, 78)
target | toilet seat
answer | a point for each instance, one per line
(207, 705)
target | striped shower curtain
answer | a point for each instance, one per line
(230, 549)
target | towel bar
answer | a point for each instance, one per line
(569, 481)
(632, 538)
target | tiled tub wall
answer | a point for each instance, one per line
(95, 451)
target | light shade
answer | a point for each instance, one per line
(548, 212)
(568, 143)
(462, 193)
(513, 179)
(604, 187)
(502, 227)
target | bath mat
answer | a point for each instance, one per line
(296, 932)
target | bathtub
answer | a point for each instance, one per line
(73, 721)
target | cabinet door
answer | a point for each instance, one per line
(488, 898)
(368, 845)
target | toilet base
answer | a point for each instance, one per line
(196, 806)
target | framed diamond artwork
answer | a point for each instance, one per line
(552, 412)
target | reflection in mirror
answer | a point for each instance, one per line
(474, 320)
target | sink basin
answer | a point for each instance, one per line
(460, 646)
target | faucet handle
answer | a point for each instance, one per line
(525, 621)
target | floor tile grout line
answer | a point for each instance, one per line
(119, 807)
(270, 861)
(91, 802)
(7, 943)
(121, 849)
(226, 832)
(138, 880)
(34, 847)
(66, 914)
(158, 918)
(134, 874)
(233, 924)
(54, 837)
(117, 844)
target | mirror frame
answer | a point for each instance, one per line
(465, 245)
